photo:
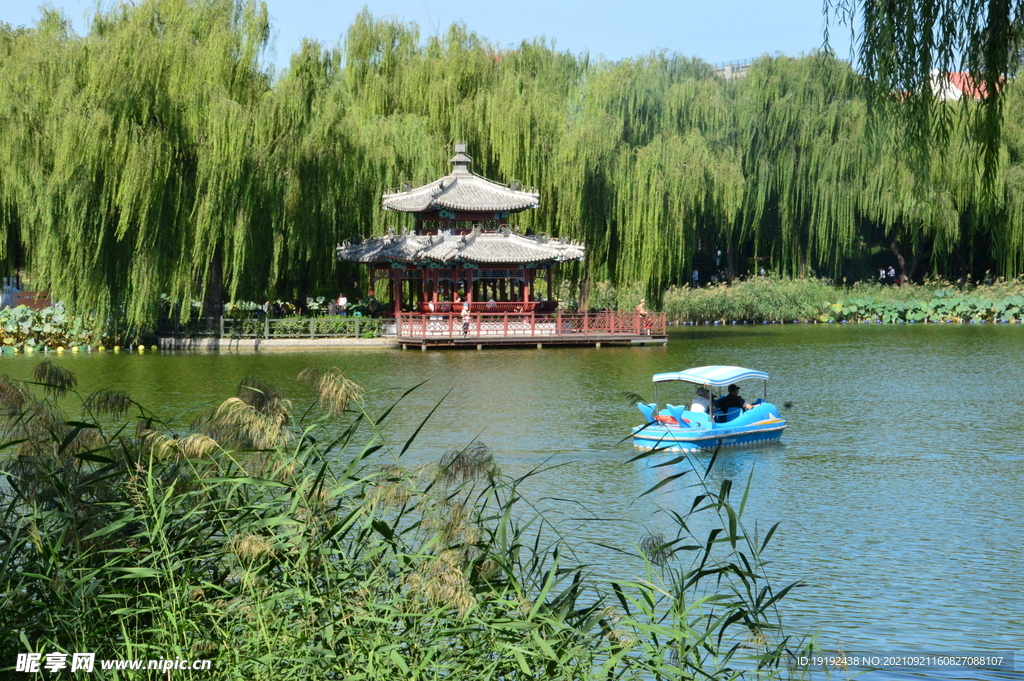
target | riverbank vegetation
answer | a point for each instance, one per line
(160, 154)
(770, 299)
(279, 544)
(25, 328)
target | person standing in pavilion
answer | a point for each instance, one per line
(465, 320)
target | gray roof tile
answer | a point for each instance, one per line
(478, 247)
(463, 191)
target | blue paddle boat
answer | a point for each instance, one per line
(682, 428)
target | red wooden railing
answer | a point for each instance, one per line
(498, 324)
(490, 307)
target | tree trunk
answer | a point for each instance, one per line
(303, 289)
(585, 290)
(899, 258)
(213, 301)
(915, 260)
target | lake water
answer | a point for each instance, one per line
(898, 482)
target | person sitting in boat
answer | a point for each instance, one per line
(732, 400)
(702, 402)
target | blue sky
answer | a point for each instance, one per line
(721, 31)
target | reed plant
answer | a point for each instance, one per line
(286, 543)
(756, 299)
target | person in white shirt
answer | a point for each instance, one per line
(465, 319)
(702, 402)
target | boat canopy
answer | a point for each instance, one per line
(715, 376)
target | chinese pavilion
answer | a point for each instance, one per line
(462, 250)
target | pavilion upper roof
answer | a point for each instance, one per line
(478, 247)
(461, 190)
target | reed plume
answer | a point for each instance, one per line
(109, 401)
(333, 389)
(473, 462)
(56, 380)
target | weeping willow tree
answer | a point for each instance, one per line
(158, 154)
(126, 167)
(903, 44)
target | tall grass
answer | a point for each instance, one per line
(757, 299)
(282, 548)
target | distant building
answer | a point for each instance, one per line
(956, 85)
(733, 69)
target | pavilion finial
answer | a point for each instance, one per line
(461, 160)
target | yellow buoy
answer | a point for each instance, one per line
(153, 348)
(60, 348)
(142, 348)
(100, 348)
(29, 350)
(117, 348)
(74, 348)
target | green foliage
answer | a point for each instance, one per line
(23, 328)
(304, 560)
(307, 560)
(755, 300)
(161, 155)
(290, 326)
(993, 304)
(903, 43)
(786, 300)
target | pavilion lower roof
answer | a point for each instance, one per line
(477, 247)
